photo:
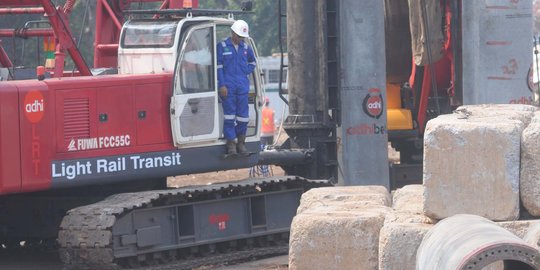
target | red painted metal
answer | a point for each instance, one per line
(4, 58)
(109, 34)
(111, 14)
(59, 57)
(63, 34)
(76, 116)
(15, 11)
(108, 48)
(37, 128)
(68, 6)
(25, 33)
(164, 5)
(19, 3)
(10, 156)
(69, 108)
(154, 128)
(35, 99)
(121, 97)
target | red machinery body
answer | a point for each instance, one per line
(68, 132)
(78, 118)
(73, 132)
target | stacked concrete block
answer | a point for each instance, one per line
(471, 162)
(407, 205)
(519, 112)
(518, 227)
(471, 166)
(533, 234)
(398, 243)
(359, 196)
(530, 167)
(334, 232)
(403, 230)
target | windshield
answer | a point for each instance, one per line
(149, 34)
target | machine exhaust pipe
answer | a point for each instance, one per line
(286, 157)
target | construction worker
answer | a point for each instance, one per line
(235, 61)
(267, 127)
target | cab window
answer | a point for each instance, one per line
(196, 64)
(149, 34)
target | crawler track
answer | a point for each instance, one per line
(90, 237)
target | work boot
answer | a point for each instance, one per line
(241, 146)
(231, 147)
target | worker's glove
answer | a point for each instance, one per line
(223, 91)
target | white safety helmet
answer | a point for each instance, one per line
(241, 28)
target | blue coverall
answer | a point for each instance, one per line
(233, 68)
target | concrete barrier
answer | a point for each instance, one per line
(530, 166)
(533, 234)
(521, 112)
(353, 195)
(337, 239)
(407, 203)
(398, 243)
(471, 166)
(518, 227)
(338, 228)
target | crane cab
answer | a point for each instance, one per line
(187, 48)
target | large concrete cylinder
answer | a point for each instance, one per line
(362, 136)
(464, 242)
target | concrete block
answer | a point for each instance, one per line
(530, 166)
(518, 227)
(407, 203)
(351, 195)
(409, 199)
(471, 166)
(406, 217)
(398, 243)
(533, 234)
(336, 240)
(520, 112)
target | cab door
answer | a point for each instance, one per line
(194, 104)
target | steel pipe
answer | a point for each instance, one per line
(107, 47)
(13, 11)
(469, 242)
(4, 58)
(24, 33)
(111, 14)
(19, 3)
(285, 157)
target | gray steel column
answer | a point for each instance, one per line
(362, 136)
(310, 124)
(306, 45)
